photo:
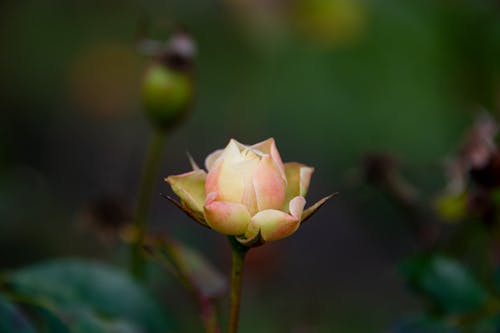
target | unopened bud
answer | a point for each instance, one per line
(166, 94)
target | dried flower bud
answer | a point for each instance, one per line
(180, 52)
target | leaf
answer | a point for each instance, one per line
(445, 282)
(486, 324)
(49, 320)
(12, 320)
(191, 267)
(79, 289)
(73, 320)
(82, 321)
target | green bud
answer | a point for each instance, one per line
(166, 95)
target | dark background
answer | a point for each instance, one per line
(329, 80)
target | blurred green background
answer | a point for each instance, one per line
(330, 80)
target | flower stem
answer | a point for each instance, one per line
(149, 173)
(183, 270)
(238, 256)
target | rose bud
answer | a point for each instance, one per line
(166, 95)
(247, 192)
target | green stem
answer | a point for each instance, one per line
(207, 306)
(149, 174)
(209, 316)
(238, 257)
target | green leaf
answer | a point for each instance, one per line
(446, 282)
(49, 320)
(82, 321)
(12, 320)
(191, 267)
(83, 289)
(73, 320)
(486, 324)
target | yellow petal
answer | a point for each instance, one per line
(190, 188)
(231, 176)
(212, 159)
(232, 152)
(265, 146)
(228, 218)
(298, 177)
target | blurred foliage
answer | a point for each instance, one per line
(199, 275)
(446, 283)
(82, 296)
(459, 287)
(12, 319)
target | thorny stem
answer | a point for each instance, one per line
(209, 315)
(208, 310)
(149, 172)
(238, 256)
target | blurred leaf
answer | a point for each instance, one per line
(81, 320)
(487, 324)
(445, 282)
(12, 319)
(422, 325)
(191, 267)
(68, 320)
(50, 321)
(81, 289)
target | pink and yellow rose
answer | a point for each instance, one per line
(247, 192)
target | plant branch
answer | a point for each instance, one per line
(207, 306)
(238, 257)
(149, 173)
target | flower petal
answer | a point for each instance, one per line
(269, 185)
(221, 171)
(232, 152)
(190, 188)
(285, 224)
(311, 210)
(212, 159)
(272, 224)
(233, 182)
(226, 217)
(269, 147)
(298, 177)
(211, 184)
(264, 146)
(296, 207)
